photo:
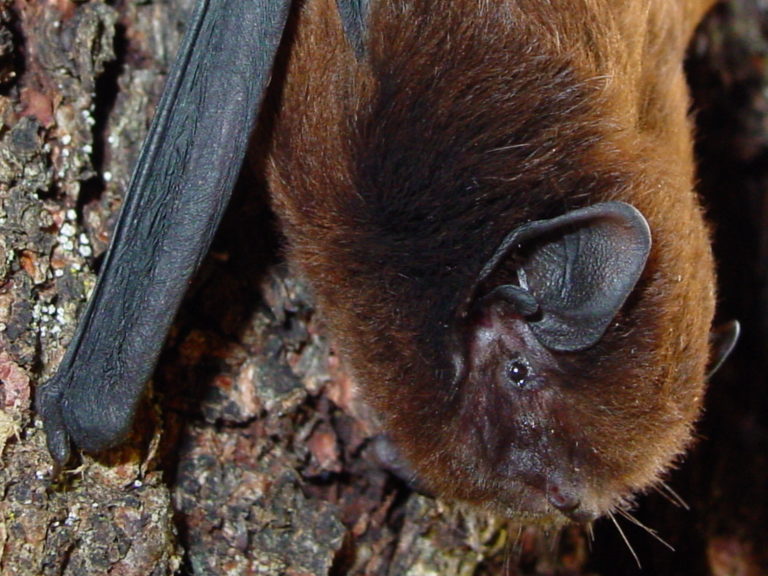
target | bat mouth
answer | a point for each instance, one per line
(542, 485)
(570, 504)
(547, 498)
(529, 505)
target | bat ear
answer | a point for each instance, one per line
(722, 341)
(575, 272)
(354, 20)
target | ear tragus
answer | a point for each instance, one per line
(579, 268)
(521, 300)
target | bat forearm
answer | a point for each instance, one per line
(180, 187)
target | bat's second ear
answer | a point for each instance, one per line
(722, 341)
(579, 268)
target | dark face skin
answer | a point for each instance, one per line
(513, 402)
(518, 407)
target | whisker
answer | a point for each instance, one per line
(554, 541)
(667, 492)
(649, 530)
(514, 550)
(666, 496)
(507, 558)
(510, 549)
(624, 537)
(517, 545)
(590, 536)
(509, 147)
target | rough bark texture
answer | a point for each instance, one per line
(252, 455)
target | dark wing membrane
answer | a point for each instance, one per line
(179, 190)
(354, 20)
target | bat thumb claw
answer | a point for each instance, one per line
(48, 406)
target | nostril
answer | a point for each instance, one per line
(562, 500)
(569, 503)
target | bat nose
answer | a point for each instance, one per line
(566, 500)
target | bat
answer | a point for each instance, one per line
(494, 205)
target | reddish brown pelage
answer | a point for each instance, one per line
(397, 174)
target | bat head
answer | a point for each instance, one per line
(562, 404)
(541, 362)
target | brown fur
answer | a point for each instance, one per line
(396, 175)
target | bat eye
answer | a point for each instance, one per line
(517, 372)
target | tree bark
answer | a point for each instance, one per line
(252, 453)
